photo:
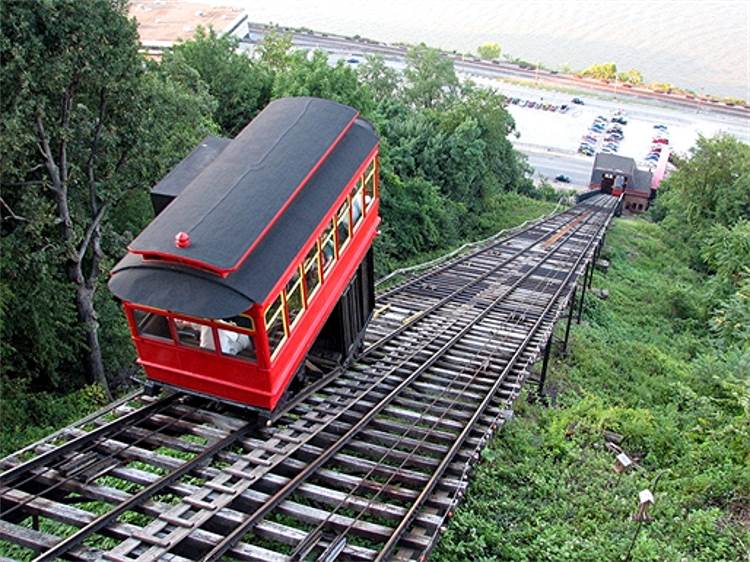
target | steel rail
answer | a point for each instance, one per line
(322, 406)
(230, 540)
(67, 477)
(422, 314)
(411, 513)
(465, 257)
(7, 477)
(102, 521)
(398, 440)
(316, 534)
(343, 409)
(481, 369)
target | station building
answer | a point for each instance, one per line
(619, 175)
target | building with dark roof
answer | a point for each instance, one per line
(618, 175)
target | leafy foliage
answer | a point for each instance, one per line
(632, 76)
(705, 206)
(240, 86)
(312, 76)
(606, 71)
(490, 51)
(449, 172)
(711, 187)
(90, 126)
(546, 489)
(275, 50)
(382, 80)
(430, 79)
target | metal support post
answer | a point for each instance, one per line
(583, 294)
(571, 310)
(545, 364)
(591, 273)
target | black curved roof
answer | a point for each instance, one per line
(260, 170)
(181, 288)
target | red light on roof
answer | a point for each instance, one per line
(182, 240)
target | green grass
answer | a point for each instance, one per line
(27, 416)
(642, 365)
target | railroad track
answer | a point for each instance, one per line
(366, 464)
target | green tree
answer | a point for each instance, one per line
(430, 79)
(705, 205)
(276, 50)
(382, 79)
(74, 69)
(240, 86)
(606, 71)
(711, 187)
(84, 131)
(726, 250)
(632, 76)
(490, 51)
(313, 76)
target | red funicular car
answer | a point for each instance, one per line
(260, 250)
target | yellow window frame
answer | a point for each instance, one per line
(323, 241)
(306, 264)
(346, 206)
(369, 181)
(285, 291)
(358, 193)
(279, 310)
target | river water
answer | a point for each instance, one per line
(703, 45)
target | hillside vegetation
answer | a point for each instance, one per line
(665, 363)
(89, 125)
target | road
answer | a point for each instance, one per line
(356, 46)
(548, 165)
(550, 140)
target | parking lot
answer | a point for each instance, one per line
(561, 133)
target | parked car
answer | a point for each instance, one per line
(562, 178)
(660, 127)
(586, 149)
(514, 101)
(577, 101)
(619, 119)
(660, 140)
(352, 60)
